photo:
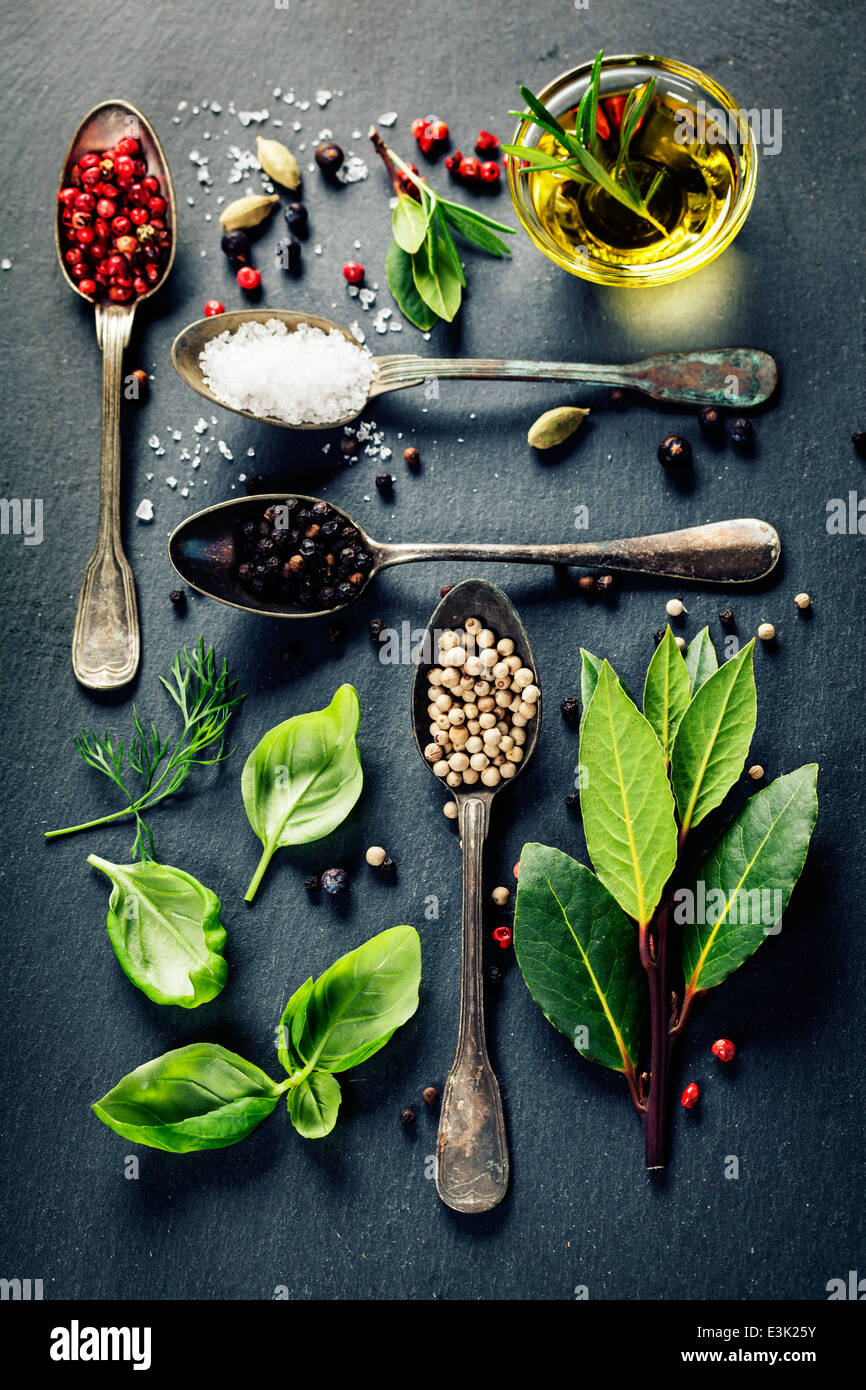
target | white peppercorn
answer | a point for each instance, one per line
(500, 897)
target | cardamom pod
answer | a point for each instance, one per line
(247, 212)
(278, 162)
(554, 426)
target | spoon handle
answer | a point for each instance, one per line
(471, 1148)
(723, 552)
(740, 377)
(106, 644)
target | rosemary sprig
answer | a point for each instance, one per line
(204, 694)
(583, 154)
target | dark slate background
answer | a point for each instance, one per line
(356, 1215)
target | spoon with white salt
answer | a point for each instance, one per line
(323, 385)
(203, 551)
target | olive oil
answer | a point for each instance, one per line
(697, 189)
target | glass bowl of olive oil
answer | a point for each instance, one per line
(694, 148)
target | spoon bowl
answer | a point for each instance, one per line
(691, 378)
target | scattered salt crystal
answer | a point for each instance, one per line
(172, 482)
(224, 449)
(242, 477)
(357, 331)
(395, 327)
(251, 453)
(277, 92)
(323, 96)
(215, 107)
(389, 118)
(326, 448)
(5, 264)
(366, 298)
(325, 134)
(144, 510)
(304, 377)
(248, 117)
(154, 441)
(385, 453)
(317, 249)
(289, 98)
(296, 125)
(159, 452)
(353, 170)
(184, 492)
(149, 477)
(303, 106)
(200, 425)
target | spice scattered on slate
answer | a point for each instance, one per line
(349, 445)
(741, 434)
(384, 484)
(605, 583)
(617, 399)
(570, 708)
(674, 452)
(445, 590)
(335, 880)
(430, 1095)
(335, 634)
(312, 883)
(407, 1116)
(858, 439)
(586, 584)
(178, 598)
(376, 627)
(572, 801)
(411, 457)
(711, 422)
(727, 619)
(658, 635)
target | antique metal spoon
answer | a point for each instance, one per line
(691, 378)
(471, 1149)
(202, 551)
(106, 644)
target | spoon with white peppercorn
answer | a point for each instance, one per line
(475, 716)
(302, 557)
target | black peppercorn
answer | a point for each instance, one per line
(742, 434)
(727, 620)
(384, 483)
(376, 627)
(711, 421)
(658, 635)
(407, 1116)
(312, 884)
(329, 158)
(236, 245)
(858, 439)
(296, 217)
(495, 974)
(335, 880)
(430, 1095)
(604, 583)
(617, 398)
(335, 634)
(178, 598)
(674, 452)
(349, 446)
(330, 528)
(570, 708)
(572, 801)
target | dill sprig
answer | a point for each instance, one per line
(582, 148)
(205, 696)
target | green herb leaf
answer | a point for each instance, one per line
(578, 954)
(701, 659)
(713, 739)
(165, 929)
(626, 802)
(666, 691)
(748, 878)
(314, 1105)
(475, 229)
(197, 1097)
(401, 283)
(410, 222)
(435, 278)
(353, 1009)
(293, 1021)
(589, 672)
(302, 780)
(452, 253)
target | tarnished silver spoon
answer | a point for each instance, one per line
(689, 378)
(106, 644)
(202, 551)
(471, 1149)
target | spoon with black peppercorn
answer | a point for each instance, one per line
(687, 378)
(471, 1151)
(106, 645)
(302, 557)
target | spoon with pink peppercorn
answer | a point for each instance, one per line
(115, 233)
(690, 378)
(476, 715)
(303, 557)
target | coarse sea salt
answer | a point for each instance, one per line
(307, 377)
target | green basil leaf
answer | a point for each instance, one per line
(410, 222)
(747, 877)
(701, 659)
(626, 801)
(353, 1009)
(435, 278)
(666, 691)
(302, 780)
(165, 929)
(713, 739)
(578, 954)
(398, 268)
(314, 1104)
(474, 230)
(197, 1097)
(291, 1022)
